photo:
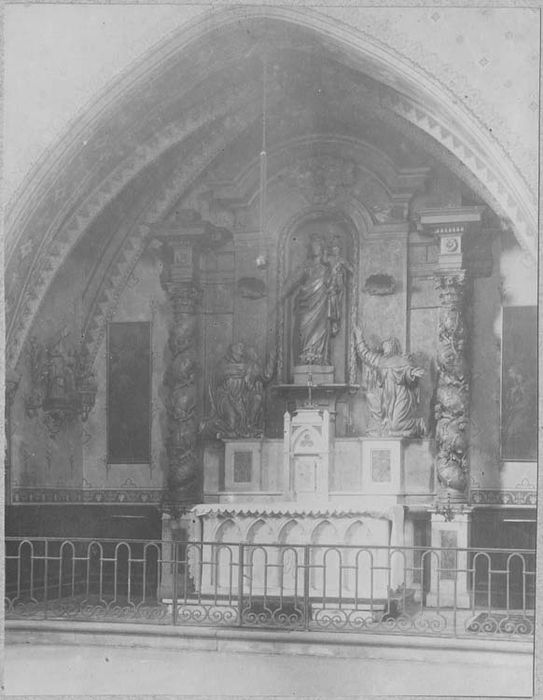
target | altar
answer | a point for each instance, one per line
(317, 464)
(284, 543)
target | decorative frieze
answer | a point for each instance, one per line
(508, 497)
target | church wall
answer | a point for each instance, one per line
(72, 465)
(513, 282)
(518, 273)
(485, 355)
(142, 300)
(39, 459)
(385, 253)
(76, 457)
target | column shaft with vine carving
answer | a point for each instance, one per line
(181, 388)
(453, 388)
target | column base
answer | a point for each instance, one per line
(449, 580)
(176, 529)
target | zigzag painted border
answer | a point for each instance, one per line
(54, 496)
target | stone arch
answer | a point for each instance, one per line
(225, 556)
(416, 99)
(324, 533)
(355, 533)
(359, 559)
(260, 532)
(326, 559)
(292, 532)
(260, 559)
(227, 531)
(292, 537)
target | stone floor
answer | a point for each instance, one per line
(52, 669)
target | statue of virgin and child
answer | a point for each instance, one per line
(319, 286)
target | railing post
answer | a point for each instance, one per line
(240, 583)
(46, 576)
(306, 585)
(174, 586)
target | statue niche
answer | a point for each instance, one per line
(315, 298)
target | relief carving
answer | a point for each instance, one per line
(236, 394)
(62, 382)
(327, 180)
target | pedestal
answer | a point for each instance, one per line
(176, 529)
(449, 585)
(313, 374)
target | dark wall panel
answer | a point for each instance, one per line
(129, 393)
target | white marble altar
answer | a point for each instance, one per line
(280, 533)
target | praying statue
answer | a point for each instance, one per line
(397, 381)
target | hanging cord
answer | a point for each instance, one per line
(262, 258)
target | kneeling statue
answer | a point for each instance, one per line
(397, 381)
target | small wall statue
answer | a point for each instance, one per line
(395, 394)
(237, 394)
(319, 284)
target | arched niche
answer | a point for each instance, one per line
(341, 241)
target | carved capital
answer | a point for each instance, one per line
(457, 230)
(184, 296)
(452, 288)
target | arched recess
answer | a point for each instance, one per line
(76, 179)
(353, 234)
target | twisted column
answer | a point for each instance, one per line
(453, 390)
(183, 243)
(181, 396)
(463, 254)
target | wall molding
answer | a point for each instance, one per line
(498, 497)
(77, 496)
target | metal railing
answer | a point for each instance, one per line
(344, 588)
